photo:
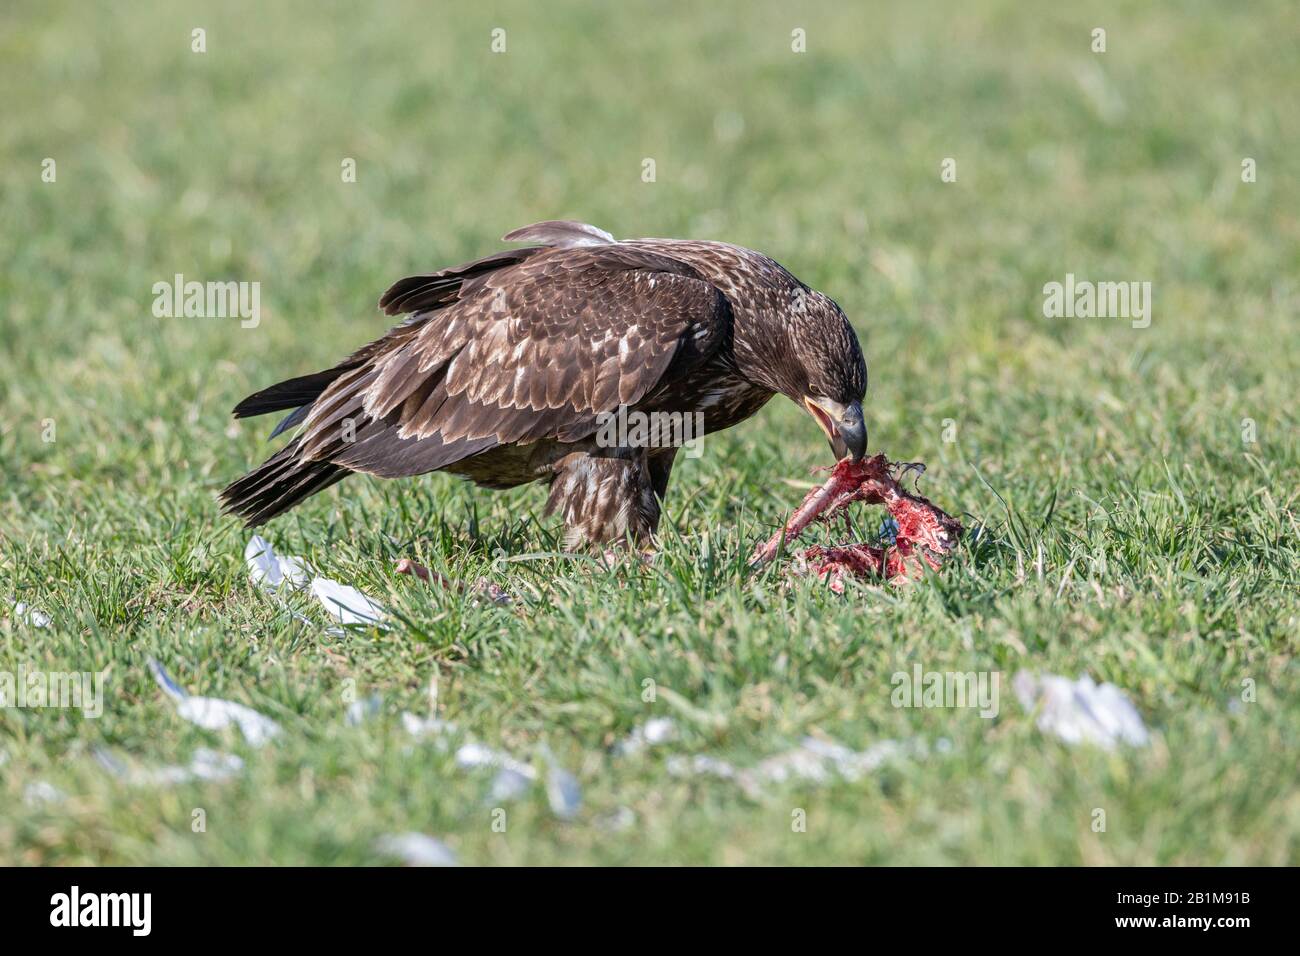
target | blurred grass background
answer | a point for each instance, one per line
(1130, 532)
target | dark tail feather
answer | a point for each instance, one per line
(417, 293)
(278, 484)
(295, 417)
(296, 393)
(289, 394)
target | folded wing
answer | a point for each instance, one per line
(535, 352)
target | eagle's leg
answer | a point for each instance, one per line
(661, 469)
(606, 496)
(659, 464)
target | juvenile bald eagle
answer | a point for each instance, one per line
(507, 365)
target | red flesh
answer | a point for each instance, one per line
(925, 533)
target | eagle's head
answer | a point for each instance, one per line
(811, 355)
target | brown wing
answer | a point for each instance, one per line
(526, 353)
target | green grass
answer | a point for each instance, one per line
(1128, 532)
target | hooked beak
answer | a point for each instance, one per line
(842, 424)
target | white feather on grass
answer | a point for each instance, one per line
(1081, 711)
(345, 605)
(213, 713)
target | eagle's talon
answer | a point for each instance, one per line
(494, 592)
(613, 557)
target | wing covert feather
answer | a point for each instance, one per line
(533, 352)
